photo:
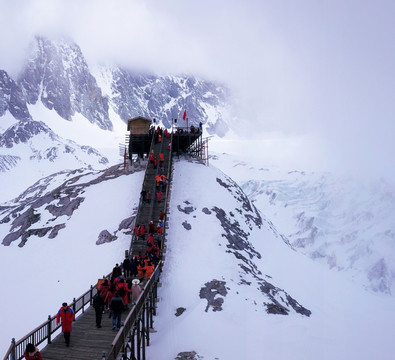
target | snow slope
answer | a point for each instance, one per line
(343, 221)
(47, 271)
(226, 264)
(346, 322)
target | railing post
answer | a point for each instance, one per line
(147, 316)
(138, 339)
(144, 329)
(74, 307)
(91, 295)
(49, 329)
(13, 351)
(103, 355)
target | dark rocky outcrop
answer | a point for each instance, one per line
(214, 292)
(24, 213)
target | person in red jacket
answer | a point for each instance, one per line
(162, 215)
(110, 294)
(142, 230)
(151, 158)
(136, 230)
(155, 251)
(151, 227)
(32, 353)
(66, 314)
(148, 197)
(103, 290)
(151, 239)
(123, 291)
(159, 196)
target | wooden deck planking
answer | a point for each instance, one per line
(87, 342)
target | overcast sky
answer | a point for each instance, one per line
(309, 66)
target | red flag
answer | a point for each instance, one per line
(185, 115)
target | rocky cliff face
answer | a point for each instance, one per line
(56, 80)
(12, 98)
(166, 97)
(57, 75)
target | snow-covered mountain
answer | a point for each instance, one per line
(232, 284)
(58, 110)
(245, 246)
(345, 222)
(57, 75)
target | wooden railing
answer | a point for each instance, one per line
(45, 331)
(134, 335)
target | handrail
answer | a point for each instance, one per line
(169, 164)
(136, 219)
(133, 315)
(45, 330)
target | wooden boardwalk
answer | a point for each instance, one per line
(87, 342)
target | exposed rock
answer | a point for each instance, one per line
(25, 211)
(188, 355)
(206, 211)
(237, 238)
(66, 206)
(187, 209)
(12, 98)
(105, 237)
(180, 311)
(210, 291)
(251, 213)
(238, 244)
(55, 230)
(8, 162)
(126, 223)
(68, 89)
(186, 225)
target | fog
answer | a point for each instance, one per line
(315, 69)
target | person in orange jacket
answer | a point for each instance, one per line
(149, 270)
(66, 314)
(141, 269)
